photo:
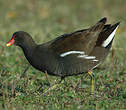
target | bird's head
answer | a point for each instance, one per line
(19, 38)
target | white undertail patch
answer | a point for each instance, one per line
(109, 39)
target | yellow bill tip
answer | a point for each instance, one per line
(8, 44)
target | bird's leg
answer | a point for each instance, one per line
(91, 74)
(57, 84)
(23, 74)
(46, 74)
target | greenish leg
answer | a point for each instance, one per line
(92, 82)
(57, 84)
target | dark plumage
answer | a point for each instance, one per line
(69, 54)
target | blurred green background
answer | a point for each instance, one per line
(48, 19)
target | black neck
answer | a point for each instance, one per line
(28, 48)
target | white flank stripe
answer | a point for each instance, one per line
(86, 57)
(82, 55)
(71, 52)
(95, 60)
(109, 39)
(90, 57)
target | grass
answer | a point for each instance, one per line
(46, 20)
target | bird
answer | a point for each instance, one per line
(70, 54)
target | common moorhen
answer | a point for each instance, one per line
(69, 54)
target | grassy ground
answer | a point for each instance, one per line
(45, 20)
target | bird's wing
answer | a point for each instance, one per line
(83, 40)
